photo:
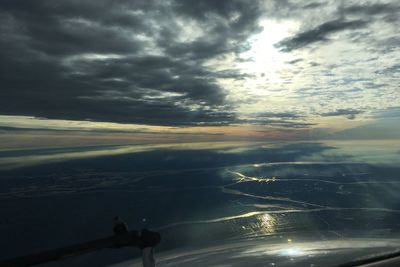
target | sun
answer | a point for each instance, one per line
(263, 61)
(266, 73)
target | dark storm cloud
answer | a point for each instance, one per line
(318, 34)
(348, 113)
(225, 20)
(120, 61)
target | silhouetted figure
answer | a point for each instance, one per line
(121, 233)
(146, 240)
(120, 227)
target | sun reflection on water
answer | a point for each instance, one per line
(264, 224)
(292, 252)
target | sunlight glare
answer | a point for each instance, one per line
(264, 60)
(292, 252)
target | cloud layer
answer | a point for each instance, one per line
(197, 63)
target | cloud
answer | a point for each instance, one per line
(120, 61)
(313, 5)
(275, 119)
(347, 17)
(318, 34)
(295, 61)
(348, 113)
(389, 70)
(285, 115)
(183, 63)
(372, 9)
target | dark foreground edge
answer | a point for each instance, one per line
(131, 239)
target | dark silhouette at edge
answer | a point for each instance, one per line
(145, 240)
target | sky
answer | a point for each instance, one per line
(100, 72)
